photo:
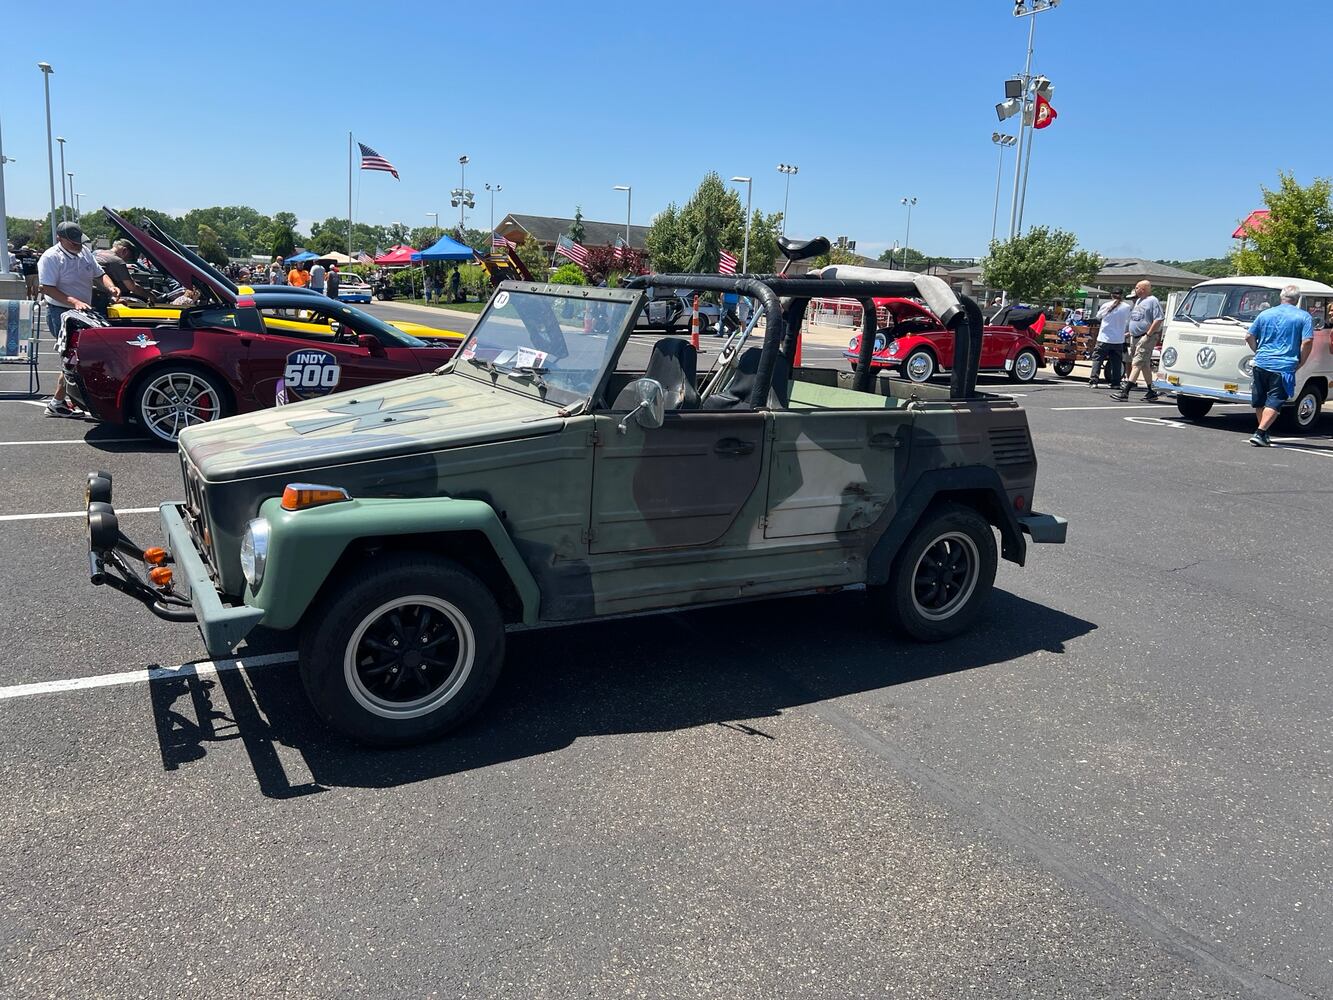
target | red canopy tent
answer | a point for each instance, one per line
(396, 255)
(1254, 222)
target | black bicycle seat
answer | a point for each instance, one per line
(803, 249)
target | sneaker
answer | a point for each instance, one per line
(60, 408)
(1260, 439)
(1151, 396)
(1092, 383)
(1122, 396)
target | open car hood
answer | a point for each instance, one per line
(424, 413)
(170, 262)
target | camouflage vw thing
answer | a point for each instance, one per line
(544, 475)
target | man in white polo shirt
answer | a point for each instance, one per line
(67, 272)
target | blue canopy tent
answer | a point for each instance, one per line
(446, 248)
(302, 257)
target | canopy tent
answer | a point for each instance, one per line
(445, 248)
(396, 255)
(334, 257)
(302, 257)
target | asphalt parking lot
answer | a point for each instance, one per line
(1119, 785)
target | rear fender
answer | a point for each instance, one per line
(306, 546)
(974, 486)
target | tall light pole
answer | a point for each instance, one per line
(788, 169)
(4, 225)
(435, 216)
(907, 240)
(1003, 142)
(629, 202)
(460, 197)
(492, 189)
(64, 198)
(749, 190)
(78, 214)
(70, 175)
(1022, 9)
(50, 152)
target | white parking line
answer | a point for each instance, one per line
(73, 513)
(200, 669)
(1132, 406)
(11, 444)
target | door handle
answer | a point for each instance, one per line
(884, 441)
(733, 446)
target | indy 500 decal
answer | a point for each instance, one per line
(311, 373)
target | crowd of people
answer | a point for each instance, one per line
(306, 274)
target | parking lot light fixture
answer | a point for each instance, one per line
(436, 217)
(492, 188)
(64, 198)
(1003, 142)
(788, 169)
(749, 190)
(50, 151)
(4, 228)
(70, 175)
(1023, 8)
(907, 240)
(78, 213)
(629, 201)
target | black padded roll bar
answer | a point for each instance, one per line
(865, 375)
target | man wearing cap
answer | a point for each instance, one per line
(116, 263)
(67, 272)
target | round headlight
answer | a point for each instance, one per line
(893, 347)
(854, 343)
(1247, 367)
(254, 552)
(1169, 357)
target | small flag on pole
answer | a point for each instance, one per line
(726, 263)
(371, 160)
(499, 242)
(1045, 114)
(566, 247)
(621, 247)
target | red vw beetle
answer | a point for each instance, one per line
(916, 343)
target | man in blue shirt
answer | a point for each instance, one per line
(1281, 338)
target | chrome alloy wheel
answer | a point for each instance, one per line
(409, 656)
(176, 400)
(945, 576)
(920, 366)
(1025, 366)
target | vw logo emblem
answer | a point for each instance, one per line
(1206, 357)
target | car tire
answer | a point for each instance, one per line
(1192, 407)
(1026, 365)
(1303, 414)
(168, 398)
(1063, 368)
(919, 366)
(941, 576)
(351, 668)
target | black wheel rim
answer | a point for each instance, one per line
(945, 576)
(409, 656)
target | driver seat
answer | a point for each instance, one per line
(795, 250)
(675, 365)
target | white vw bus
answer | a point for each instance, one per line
(1205, 358)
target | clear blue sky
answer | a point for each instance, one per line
(1172, 112)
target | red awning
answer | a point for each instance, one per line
(396, 255)
(1252, 224)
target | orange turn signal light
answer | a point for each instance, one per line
(299, 496)
(155, 556)
(160, 575)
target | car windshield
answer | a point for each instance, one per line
(556, 344)
(1237, 303)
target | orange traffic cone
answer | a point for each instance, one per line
(694, 323)
(796, 361)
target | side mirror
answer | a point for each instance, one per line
(650, 411)
(371, 344)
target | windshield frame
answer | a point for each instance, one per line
(557, 395)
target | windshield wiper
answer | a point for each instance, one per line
(530, 372)
(1188, 317)
(1230, 319)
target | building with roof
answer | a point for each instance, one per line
(546, 229)
(1117, 274)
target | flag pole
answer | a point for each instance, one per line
(349, 194)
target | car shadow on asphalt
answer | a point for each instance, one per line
(734, 667)
(123, 439)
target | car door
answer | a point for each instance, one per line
(997, 346)
(303, 351)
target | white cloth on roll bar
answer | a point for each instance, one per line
(934, 292)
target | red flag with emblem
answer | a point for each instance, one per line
(1045, 114)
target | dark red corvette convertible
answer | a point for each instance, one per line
(238, 350)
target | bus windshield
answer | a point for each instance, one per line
(1241, 303)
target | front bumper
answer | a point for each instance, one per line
(114, 561)
(1240, 395)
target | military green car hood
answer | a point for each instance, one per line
(417, 414)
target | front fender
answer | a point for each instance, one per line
(305, 546)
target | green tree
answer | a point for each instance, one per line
(711, 221)
(576, 232)
(1296, 240)
(667, 252)
(836, 255)
(210, 246)
(569, 274)
(397, 234)
(282, 236)
(1209, 267)
(764, 231)
(424, 236)
(1035, 266)
(903, 258)
(533, 256)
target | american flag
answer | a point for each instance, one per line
(568, 248)
(371, 160)
(499, 242)
(621, 247)
(726, 263)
